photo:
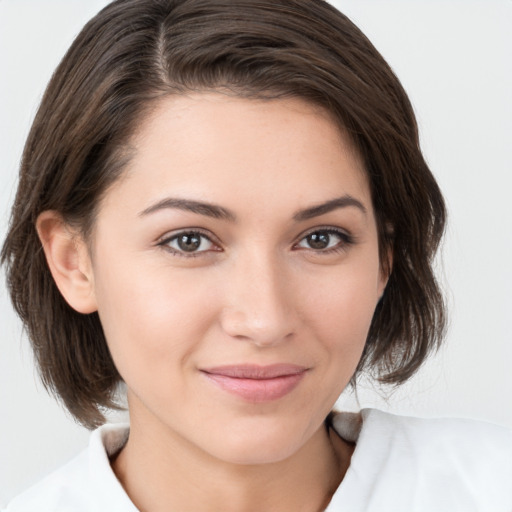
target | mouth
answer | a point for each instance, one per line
(256, 384)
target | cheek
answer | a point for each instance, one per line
(341, 309)
(150, 316)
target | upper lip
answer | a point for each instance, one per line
(257, 372)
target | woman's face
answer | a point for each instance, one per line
(236, 271)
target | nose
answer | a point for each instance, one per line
(258, 305)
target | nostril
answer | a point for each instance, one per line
(260, 328)
(258, 300)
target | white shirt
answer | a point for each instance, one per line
(399, 464)
(419, 465)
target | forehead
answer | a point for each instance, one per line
(235, 150)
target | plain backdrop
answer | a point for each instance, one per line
(454, 58)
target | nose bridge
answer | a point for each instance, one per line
(258, 299)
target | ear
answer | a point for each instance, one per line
(386, 267)
(69, 261)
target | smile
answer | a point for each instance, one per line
(257, 384)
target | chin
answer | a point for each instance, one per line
(255, 453)
(258, 441)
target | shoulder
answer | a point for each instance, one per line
(417, 433)
(81, 483)
(63, 490)
(439, 461)
(457, 438)
(457, 441)
(435, 429)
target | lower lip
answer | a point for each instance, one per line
(257, 390)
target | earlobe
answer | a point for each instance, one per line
(69, 262)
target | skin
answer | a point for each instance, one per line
(255, 292)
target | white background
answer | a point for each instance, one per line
(454, 58)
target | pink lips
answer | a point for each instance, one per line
(257, 383)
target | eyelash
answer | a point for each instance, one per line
(346, 240)
(164, 243)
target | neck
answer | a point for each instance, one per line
(164, 472)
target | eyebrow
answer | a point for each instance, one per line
(328, 206)
(218, 212)
(199, 207)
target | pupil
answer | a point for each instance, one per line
(189, 242)
(318, 240)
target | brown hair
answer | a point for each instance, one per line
(135, 51)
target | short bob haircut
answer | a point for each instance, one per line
(135, 52)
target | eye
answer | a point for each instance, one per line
(325, 240)
(188, 243)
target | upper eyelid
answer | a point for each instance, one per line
(346, 239)
(165, 241)
(331, 229)
(171, 235)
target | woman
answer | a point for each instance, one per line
(236, 221)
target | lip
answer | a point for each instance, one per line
(256, 383)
